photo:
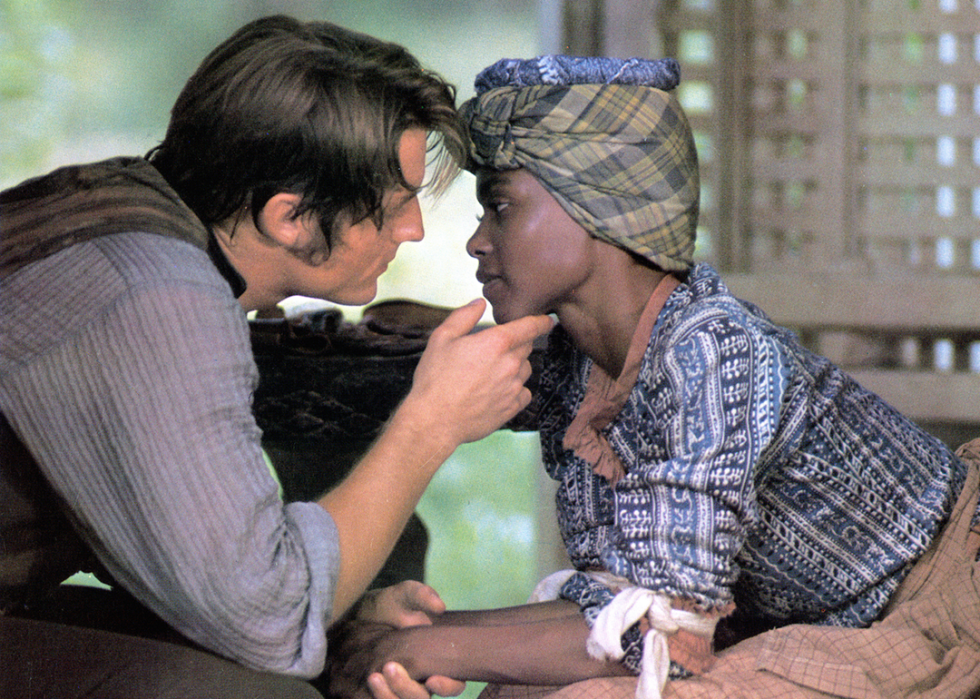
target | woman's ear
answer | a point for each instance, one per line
(279, 222)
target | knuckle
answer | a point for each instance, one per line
(437, 335)
(499, 342)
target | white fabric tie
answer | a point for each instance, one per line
(549, 587)
(630, 605)
(627, 608)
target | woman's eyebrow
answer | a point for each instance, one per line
(486, 186)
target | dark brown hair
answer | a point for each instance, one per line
(307, 108)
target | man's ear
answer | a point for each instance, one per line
(279, 222)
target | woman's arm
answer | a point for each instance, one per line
(533, 644)
(412, 603)
(545, 651)
(522, 614)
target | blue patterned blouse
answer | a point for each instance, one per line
(757, 472)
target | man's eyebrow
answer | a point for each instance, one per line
(403, 197)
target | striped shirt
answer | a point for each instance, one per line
(126, 370)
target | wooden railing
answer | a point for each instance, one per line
(914, 340)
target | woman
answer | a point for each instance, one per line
(709, 467)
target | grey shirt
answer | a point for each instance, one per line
(126, 369)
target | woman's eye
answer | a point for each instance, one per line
(493, 207)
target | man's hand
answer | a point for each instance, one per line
(409, 603)
(472, 383)
(465, 387)
(393, 682)
(368, 659)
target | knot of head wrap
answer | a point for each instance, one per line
(607, 140)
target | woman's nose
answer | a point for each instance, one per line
(478, 244)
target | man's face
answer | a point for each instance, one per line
(361, 251)
(534, 258)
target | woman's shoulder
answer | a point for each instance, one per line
(703, 305)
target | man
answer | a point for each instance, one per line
(291, 165)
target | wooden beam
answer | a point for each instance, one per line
(627, 28)
(582, 27)
(853, 300)
(926, 395)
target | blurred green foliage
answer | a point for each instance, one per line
(480, 512)
(34, 57)
(480, 509)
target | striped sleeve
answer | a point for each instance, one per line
(138, 410)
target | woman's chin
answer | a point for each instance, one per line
(500, 315)
(504, 314)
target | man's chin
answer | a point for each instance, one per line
(360, 297)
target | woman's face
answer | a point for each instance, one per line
(533, 257)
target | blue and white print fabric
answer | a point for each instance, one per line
(556, 69)
(756, 470)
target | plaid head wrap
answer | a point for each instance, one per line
(604, 137)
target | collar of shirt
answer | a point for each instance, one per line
(221, 263)
(604, 397)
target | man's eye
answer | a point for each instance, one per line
(398, 205)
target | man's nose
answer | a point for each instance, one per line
(409, 226)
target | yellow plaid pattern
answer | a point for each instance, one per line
(620, 159)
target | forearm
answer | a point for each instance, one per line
(543, 611)
(465, 387)
(548, 651)
(373, 504)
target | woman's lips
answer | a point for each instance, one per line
(490, 286)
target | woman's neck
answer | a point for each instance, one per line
(604, 327)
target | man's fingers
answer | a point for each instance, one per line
(462, 321)
(379, 688)
(408, 603)
(445, 686)
(407, 618)
(525, 371)
(524, 399)
(524, 330)
(401, 684)
(417, 603)
(425, 598)
(396, 683)
(516, 333)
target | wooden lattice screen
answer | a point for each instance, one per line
(840, 149)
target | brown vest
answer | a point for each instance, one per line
(73, 204)
(39, 217)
